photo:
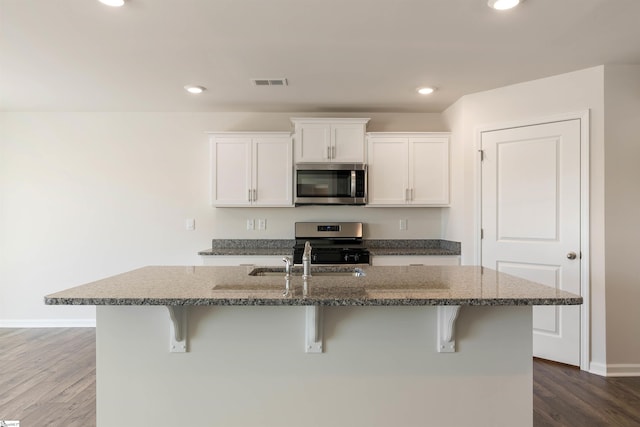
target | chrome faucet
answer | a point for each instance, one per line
(306, 268)
(306, 260)
(287, 275)
(287, 265)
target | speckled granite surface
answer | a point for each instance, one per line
(413, 247)
(407, 285)
(240, 247)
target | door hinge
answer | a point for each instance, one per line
(481, 155)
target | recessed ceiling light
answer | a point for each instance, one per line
(113, 3)
(195, 89)
(503, 4)
(425, 90)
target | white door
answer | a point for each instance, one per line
(531, 222)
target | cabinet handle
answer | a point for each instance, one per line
(411, 194)
(333, 152)
(249, 197)
(406, 194)
(255, 195)
(328, 152)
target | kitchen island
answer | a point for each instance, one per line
(393, 346)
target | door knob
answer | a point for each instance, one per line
(572, 255)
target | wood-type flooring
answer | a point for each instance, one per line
(48, 378)
(565, 396)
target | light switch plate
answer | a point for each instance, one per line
(190, 224)
(262, 224)
(250, 224)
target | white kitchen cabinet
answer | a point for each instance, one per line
(321, 140)
(251, 169)
(408, 169)
(395, 260)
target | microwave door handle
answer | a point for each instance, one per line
(353, 183)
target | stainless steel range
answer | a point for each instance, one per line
(331, 242)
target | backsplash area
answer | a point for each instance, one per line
(278, 223)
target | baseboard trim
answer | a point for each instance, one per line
(623, 370)
(47, 323)
(598, 369)
(615, 370)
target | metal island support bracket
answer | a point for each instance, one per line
(177, 328)
(313, 330)
(447, 316)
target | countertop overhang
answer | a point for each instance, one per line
(382, 286)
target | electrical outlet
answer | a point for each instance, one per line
(250, 224)
(190, 224)
(403, 225)
(262, 224)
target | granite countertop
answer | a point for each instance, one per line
(406, 285)
(412, 247)
(283, 247)
(248, 247)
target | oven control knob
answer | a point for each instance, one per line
(351, 257)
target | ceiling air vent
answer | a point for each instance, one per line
(269, 82)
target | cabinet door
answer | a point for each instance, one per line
(313, 142)
(273, 171)
(429, 171)
(231, 171)
(347, 141)
(387, 171)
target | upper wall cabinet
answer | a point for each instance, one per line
(329, 140)
(408, 169)
(251, 169)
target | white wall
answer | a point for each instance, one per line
(577, 91)
(88, 195)
(622, 212)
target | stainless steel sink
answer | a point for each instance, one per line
(356, 272)
(315, 271)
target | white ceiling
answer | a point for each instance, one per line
(338, 55)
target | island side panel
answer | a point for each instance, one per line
(246, 366)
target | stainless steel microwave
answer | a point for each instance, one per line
(330, 184)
